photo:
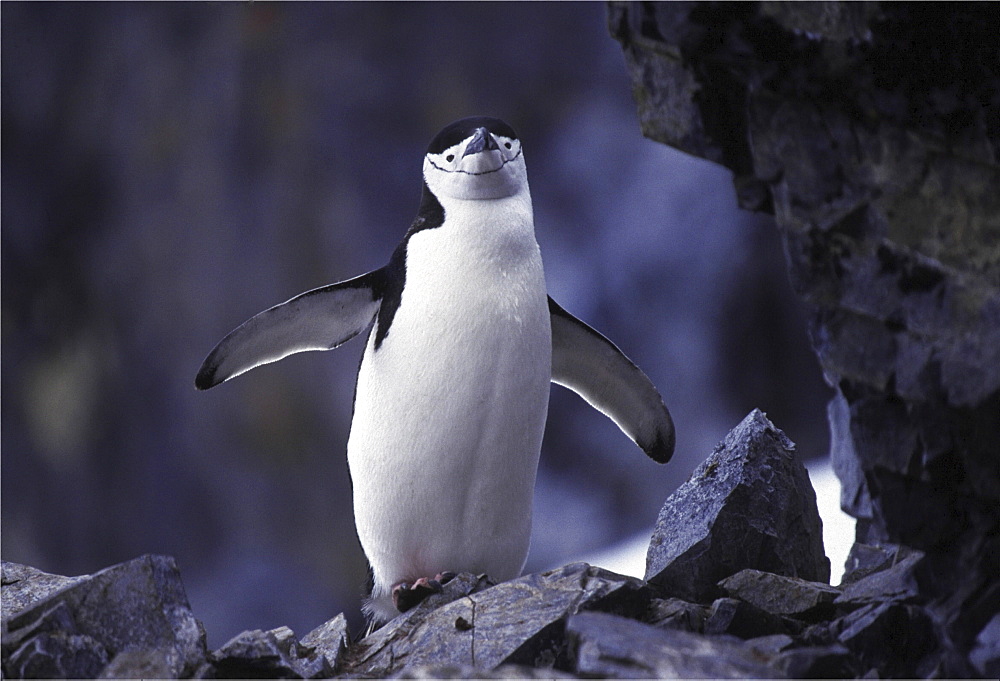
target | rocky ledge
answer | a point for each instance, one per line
(736, 586)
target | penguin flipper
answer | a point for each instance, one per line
(590, 365)
(320, 319)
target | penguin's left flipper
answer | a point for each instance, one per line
(593, 367)
(320, 319)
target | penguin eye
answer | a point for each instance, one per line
(450, 158)
(507, 144)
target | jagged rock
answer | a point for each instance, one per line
(57, 655)
(609, 646)
(460, 671)
(749, 505)
(895, 583)
(517, 622)
(330, 640)
(23, 586)
(75, 631)
(985, 655)
(865, 559)
(771, 645)
(674, 613)
(779, 595)
(871, 131)
(266, 654)
(158, 663)
(898, 640)
(50, 647)
(820, 634)
(743, 620)
(817, 662)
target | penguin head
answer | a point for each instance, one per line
(474, 159)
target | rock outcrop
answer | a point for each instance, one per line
(749, 505)
(871, 131)
(133, 620)
(57, 627)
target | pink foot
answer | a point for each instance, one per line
(406, 596)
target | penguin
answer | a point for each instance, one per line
(452, 390)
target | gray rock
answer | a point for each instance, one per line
(818, 662)
(898, 640)
(674, 613)
(743, 620)
(897, 583)
(159, 663)
(604, 645)
(460, 671)
(23, 586)
(985, 655)
(266, 654)
(137, 605)
(771, 645)
(864, 559)
(779, 595)
(57, 655)
(517, 622)
(749, 505)
(330, 640)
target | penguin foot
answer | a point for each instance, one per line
(406, 596)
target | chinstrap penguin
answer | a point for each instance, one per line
(453, 387)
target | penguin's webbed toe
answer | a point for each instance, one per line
(406, 596)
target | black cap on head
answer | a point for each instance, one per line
(466, 127)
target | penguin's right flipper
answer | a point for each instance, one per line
(320, 319)
(590, 365)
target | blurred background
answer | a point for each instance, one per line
(169, 170)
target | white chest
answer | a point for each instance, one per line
(450, 410)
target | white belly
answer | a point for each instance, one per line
(449, 415)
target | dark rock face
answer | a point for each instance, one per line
(872, 132)
(749, 505)
(132, 620)
(74, 632)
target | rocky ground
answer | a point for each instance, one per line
(736, 587)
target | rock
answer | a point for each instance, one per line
(57, 655)
(779, 595)
(158, 663)
(266, 654)
(749, 505)
(817, 662)
(604, 645)
(459, 671)
(137, 605)
(897, 640)
(864, 559)
(985, 655)
(871, 132)
(521, 621)
(23, 586)
(771, 645)
(743, 620)
(674, 613)
(330, 640)
(897, 583)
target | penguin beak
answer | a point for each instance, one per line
(481, 141)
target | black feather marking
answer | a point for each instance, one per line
(429, 216)
(465, 127)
